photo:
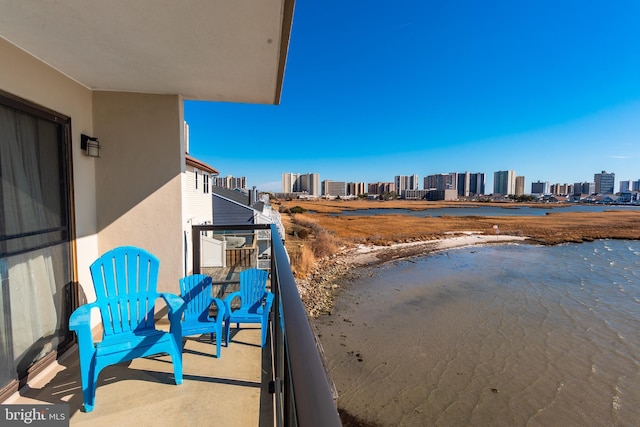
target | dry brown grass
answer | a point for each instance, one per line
(555, 227)
(307, 241)
(302, 261)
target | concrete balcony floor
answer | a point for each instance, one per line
(228, 391)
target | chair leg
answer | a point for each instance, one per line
(218, 343)
(175, 352)
(89, 383)
(227, 334)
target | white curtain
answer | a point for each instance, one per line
(25, 165)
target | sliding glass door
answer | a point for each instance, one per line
(35, 237)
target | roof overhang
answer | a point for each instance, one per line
(212, 50)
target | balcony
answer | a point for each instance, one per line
(283, 383)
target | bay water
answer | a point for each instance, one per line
(497, 335)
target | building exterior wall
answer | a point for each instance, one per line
(355, 188)
(230, 182)
(540, 187)
(197, 208)
(519, 190)
(605, 182)
(333, 188)
(441, 182)
(138, 177)
(381, 187)
(504, 182)
(36, 82)
(406, 182)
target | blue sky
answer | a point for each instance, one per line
(550, 89)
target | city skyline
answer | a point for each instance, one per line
(506, 182)
(441, 87)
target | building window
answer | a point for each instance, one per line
(36, 262)
(195, 172)
(205, 183)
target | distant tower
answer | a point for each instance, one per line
(519, 186)
(504, 182)
(605, 182)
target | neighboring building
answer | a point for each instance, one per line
(519, 190)
(301, 183)
(504, 182)
(356, 188)
(636, 185)
(561, 189)
(197, 208)
(405, 182)
(540, 187)
(476, 184)
(415, 194)
(289, 181)
(441, 182)
(605, 182)
(470, 184)
(447, 195)
(76, 72)
(230, 182)
(625, 197)
(334, 188)
(626, 186)
(587, 188)
(241, 207)
(381, 188)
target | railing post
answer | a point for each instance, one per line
(195, 239)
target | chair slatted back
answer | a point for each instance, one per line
(195, 290)
(253, 285)
(125, 281)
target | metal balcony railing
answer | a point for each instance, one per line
(302, 394)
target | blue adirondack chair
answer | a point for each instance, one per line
(255, 301)
(195, 290)
(125, 281)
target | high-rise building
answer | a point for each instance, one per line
(298, 183)
(441, 181)
(288, 181)
(469, 184)
(636, 185)
(504, 182)
(333, 188)
(540, 187)
(561, 189)
(519, 190)
(229, 182)
(605, 182)
(476, 184)
(309, 182)
(405, 182)
(355, 188)
(381, 187)
(626, 185)
(584, 187)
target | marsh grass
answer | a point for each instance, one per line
(328, 233)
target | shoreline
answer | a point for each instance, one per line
(319, 288)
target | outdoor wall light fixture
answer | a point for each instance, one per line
(90, 145)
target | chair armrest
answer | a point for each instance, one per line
(80, 322)
(268, 301)
(222, 309)
(228, 299)
(175, 305)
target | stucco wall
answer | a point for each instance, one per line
(138, 177)
(26, 77)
